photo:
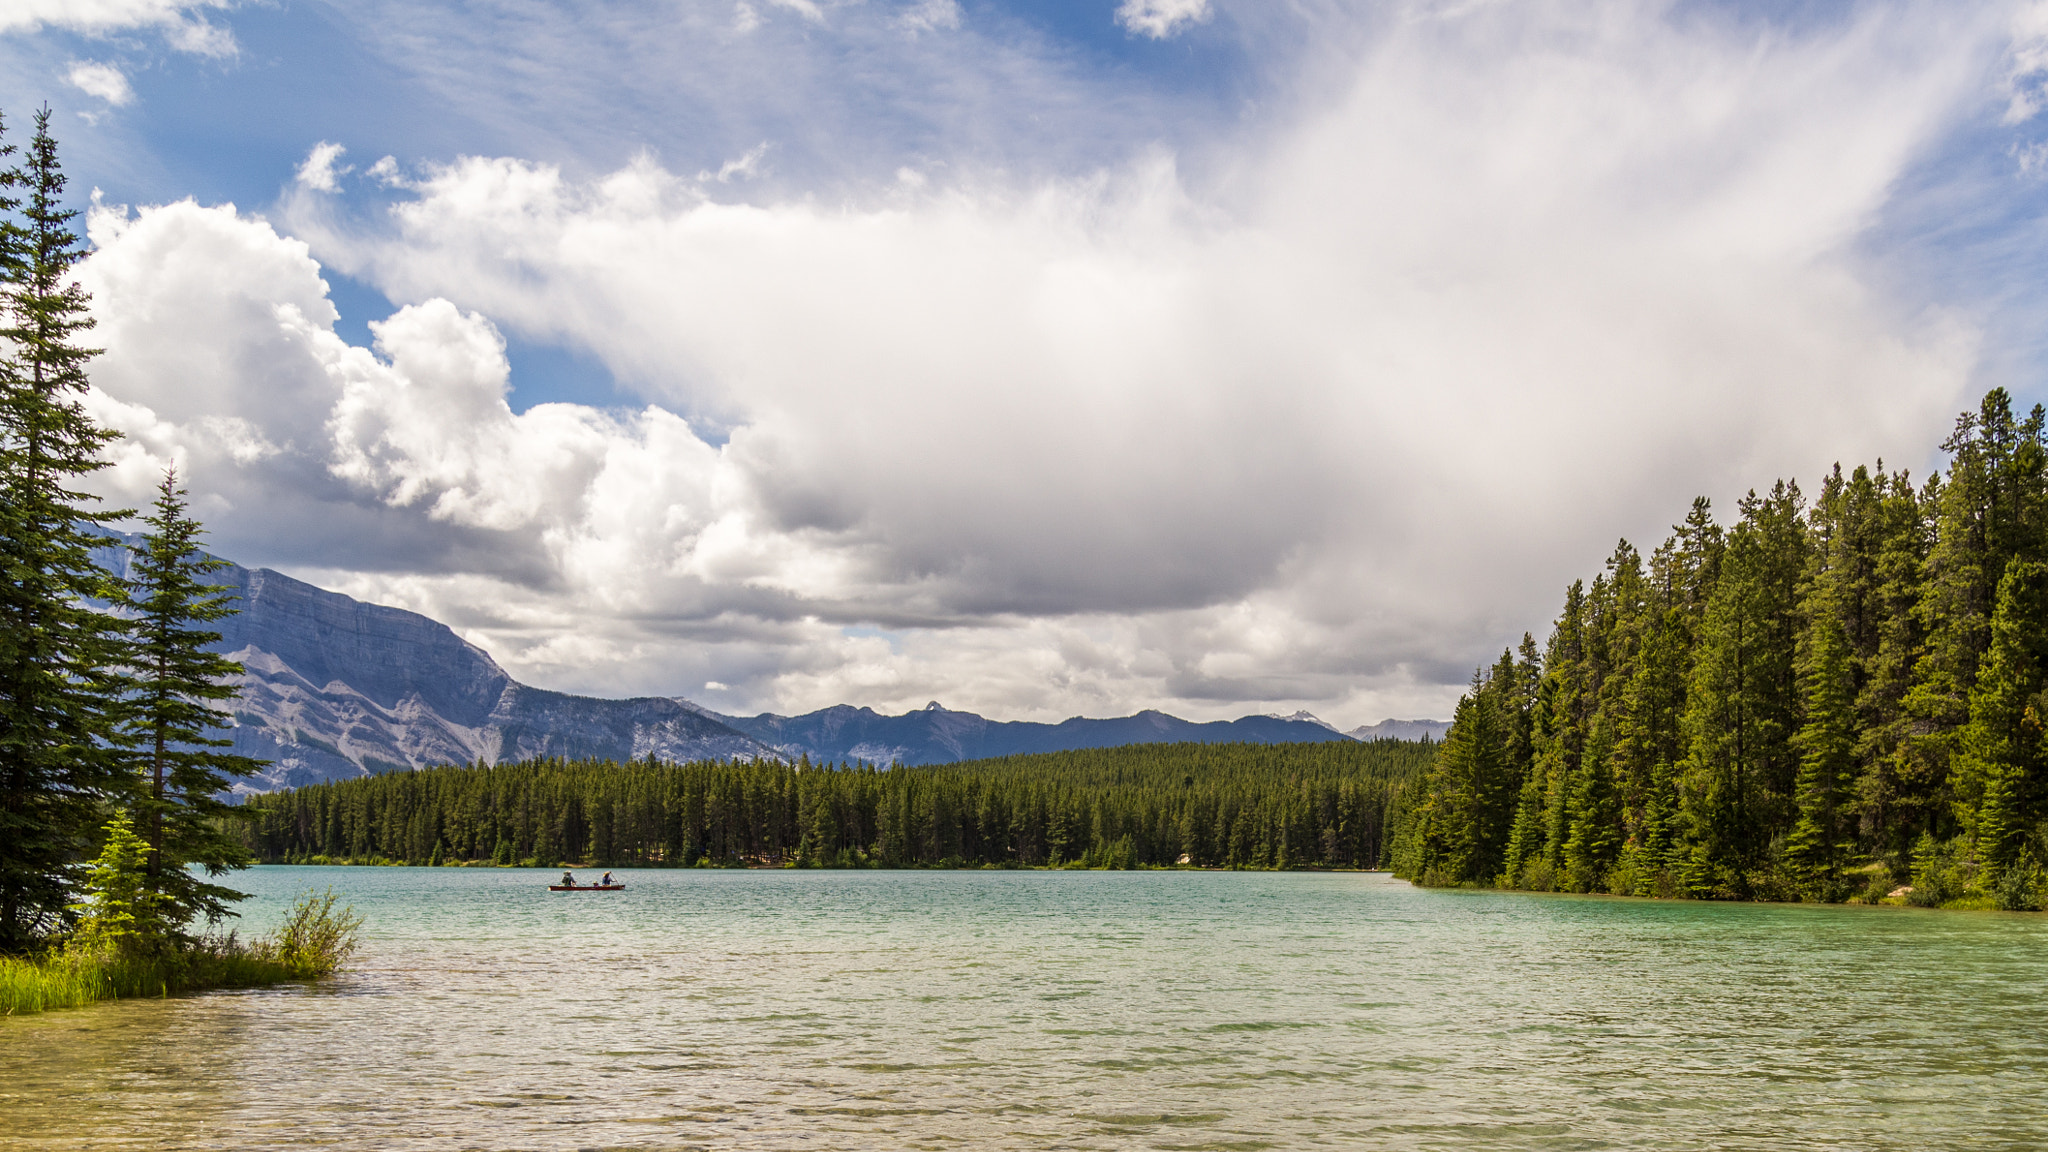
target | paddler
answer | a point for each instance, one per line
(607, 880)
(568, 879)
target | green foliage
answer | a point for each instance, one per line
(180, 768)
(315, 940)
(1147, 805)
(1805, 706)
(1820, 841)
(1472, 821)
(45, 985)
(105, 686)
(73, 979)
(1736, 781)
(60, 659)
(1941, 872)
(1998, 765)
(2022, 884)
(122, 915)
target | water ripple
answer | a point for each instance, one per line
(1068, 1011)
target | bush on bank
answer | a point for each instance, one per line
(109, 963)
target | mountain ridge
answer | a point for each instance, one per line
(335, 688)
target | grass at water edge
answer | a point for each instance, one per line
(314, 941)
(65, 981)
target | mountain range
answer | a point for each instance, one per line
(334, 688)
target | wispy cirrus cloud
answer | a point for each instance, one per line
(847, 93)
(182, 23)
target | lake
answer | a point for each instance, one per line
(1067, 1010)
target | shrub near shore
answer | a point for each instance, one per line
(314, 940)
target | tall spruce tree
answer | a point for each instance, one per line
(1819, 841)
(1992, 509)
(1470, 788)
(1649, 745)
(1999, 765)
(1522, 674)
(1742, 705)
(1885, 790)
(1558, 724)
(1595, 827)
(58, 688)
(168, 727)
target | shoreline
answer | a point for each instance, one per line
(1972, 905)
(31, 985)
(382, 862)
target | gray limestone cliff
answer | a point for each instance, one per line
(334, 688)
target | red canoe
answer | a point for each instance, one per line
(586, 887)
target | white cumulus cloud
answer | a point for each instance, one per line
(318, 171)
(1161, 18)
(1322, 438)
(101, 80)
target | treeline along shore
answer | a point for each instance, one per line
(1829, 700)
(1325, 805)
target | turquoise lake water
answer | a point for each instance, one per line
(1067, 1010)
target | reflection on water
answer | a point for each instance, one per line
(1068, 1010)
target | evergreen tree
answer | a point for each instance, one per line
(1524, 677)
(1330, 804)
(122, 914)
(1999, 765)
(1470, 789)
(1827, 745)
(1690, 564)
(1742, 706)
(1591, 846)
(170, 719)
(1889, 799)
(1558, 724)
(1754, 713)
(1650, 742)
(1526, 835)
(1989, 511)
(58, 688)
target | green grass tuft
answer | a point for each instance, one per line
(315, 940)
(44, 985)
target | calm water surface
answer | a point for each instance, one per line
(1032, 1010)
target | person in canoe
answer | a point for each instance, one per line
(607, 881)
(568, 879)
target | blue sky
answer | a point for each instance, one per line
(427, 83)
(1045, 359)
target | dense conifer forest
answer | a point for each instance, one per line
(1827, 700)
(1220, 805)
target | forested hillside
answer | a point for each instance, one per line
(1824, 701)
(1228, 805)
